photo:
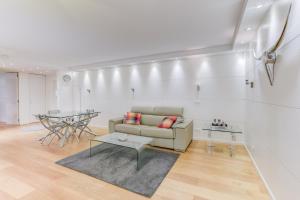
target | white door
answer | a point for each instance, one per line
(9, 98)
(37, 96)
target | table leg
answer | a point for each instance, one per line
(65, 137)
(209, 146)
(138, 160)
(233, 139)
(90, 148)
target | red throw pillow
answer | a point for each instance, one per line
(133, 118)
(138, 119)
(167, 122)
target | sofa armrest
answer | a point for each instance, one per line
(183, 135)
(183, 125)
(113, 122)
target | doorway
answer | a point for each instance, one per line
(9, 99)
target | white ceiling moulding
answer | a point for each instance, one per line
(238, 26)
(154, 57)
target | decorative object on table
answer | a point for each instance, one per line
(117, 165)
(219, 123)
(123, 138)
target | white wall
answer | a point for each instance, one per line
(273, 114)
(51, 92)
(172, 83)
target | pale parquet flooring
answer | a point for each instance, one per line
(28, 172)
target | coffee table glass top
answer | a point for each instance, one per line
(126, 140)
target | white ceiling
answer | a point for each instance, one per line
(52, 34)
(253, 15)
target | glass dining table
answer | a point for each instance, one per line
(67, 124)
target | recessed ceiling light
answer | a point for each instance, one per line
(259, 6)
(248, 29)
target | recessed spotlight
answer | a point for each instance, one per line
(248, 29)
(259, 6)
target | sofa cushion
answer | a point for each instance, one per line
(151, 120)
(143, 109)
(167, 111)
(128, 128)
(152, 131)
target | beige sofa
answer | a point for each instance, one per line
(178, 137)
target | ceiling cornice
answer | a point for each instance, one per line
(237, 27)
(154, 57)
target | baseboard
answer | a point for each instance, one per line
(260, 174)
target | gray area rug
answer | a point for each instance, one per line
(117, 165)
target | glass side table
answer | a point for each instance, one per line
(233, 131)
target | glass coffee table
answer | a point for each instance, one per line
(233, 131)
(135, 142)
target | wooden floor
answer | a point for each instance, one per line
(28, 172)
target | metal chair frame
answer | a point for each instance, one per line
(54, 128)
(83, 122)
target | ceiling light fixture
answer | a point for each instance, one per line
(248, 29)
(259, 6)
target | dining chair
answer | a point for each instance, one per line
(83, 122)
(54, 127)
